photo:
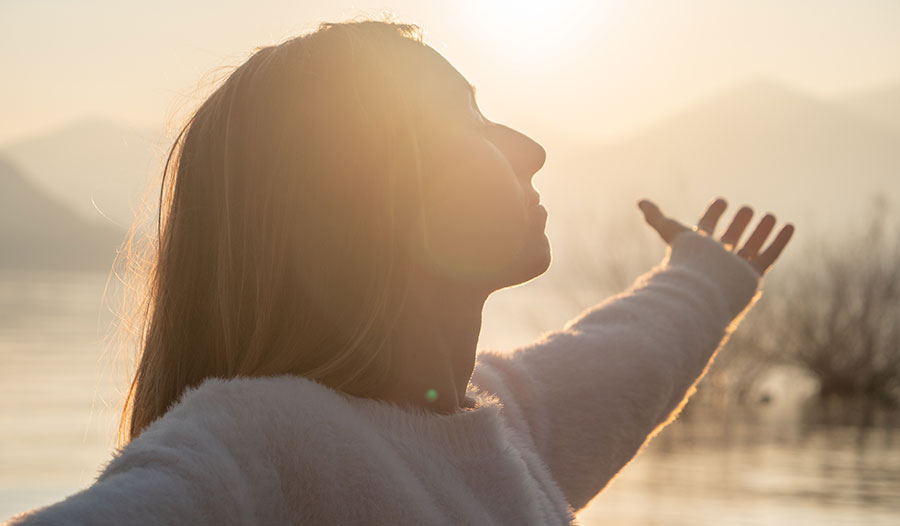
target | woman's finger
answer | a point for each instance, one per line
(708, 222)
(765, 260)
(666, 228)
(741, 219)
(763, 229)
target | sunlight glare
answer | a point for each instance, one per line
(525, 27)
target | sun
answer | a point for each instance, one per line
(527, 28)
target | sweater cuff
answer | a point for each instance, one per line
(733, 275)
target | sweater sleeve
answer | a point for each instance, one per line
(178, 474)
(589, 396)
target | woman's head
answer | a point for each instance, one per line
(301, 195)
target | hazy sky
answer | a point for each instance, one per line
(592, 69)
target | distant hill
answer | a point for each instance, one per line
(811, 161)
(39, 232)
(880, 105)
(98, 167)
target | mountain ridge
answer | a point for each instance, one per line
(40, 232)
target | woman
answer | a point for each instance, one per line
(334, 217)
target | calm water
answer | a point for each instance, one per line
(60, 395)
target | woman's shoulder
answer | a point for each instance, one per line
(239, 421)
(220, 455)
(260, 396)
(229, 402)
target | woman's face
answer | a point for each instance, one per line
(483, 223)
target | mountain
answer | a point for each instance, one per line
(40, 232)
(880, 105)
(101, 169)
(810, 161)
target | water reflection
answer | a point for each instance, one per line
(59, 397)
(55, 384)
(733, 469)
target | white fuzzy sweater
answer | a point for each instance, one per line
(556, 420)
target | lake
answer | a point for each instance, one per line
(60, 391)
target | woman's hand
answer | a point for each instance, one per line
(668, 228)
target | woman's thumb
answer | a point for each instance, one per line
(651, 212)
(665, 227)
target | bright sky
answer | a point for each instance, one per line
(562, 67)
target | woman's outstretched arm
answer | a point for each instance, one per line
(592, 394)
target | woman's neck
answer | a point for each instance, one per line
(435, 343)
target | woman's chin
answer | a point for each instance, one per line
(543, 255)
(496, 267)
(534, 261)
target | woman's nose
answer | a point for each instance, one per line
(524, 153)
(539, 154)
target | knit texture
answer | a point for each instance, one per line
(554, 422)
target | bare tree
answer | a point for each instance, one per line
(841, 314)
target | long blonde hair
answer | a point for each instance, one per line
(287, 210)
